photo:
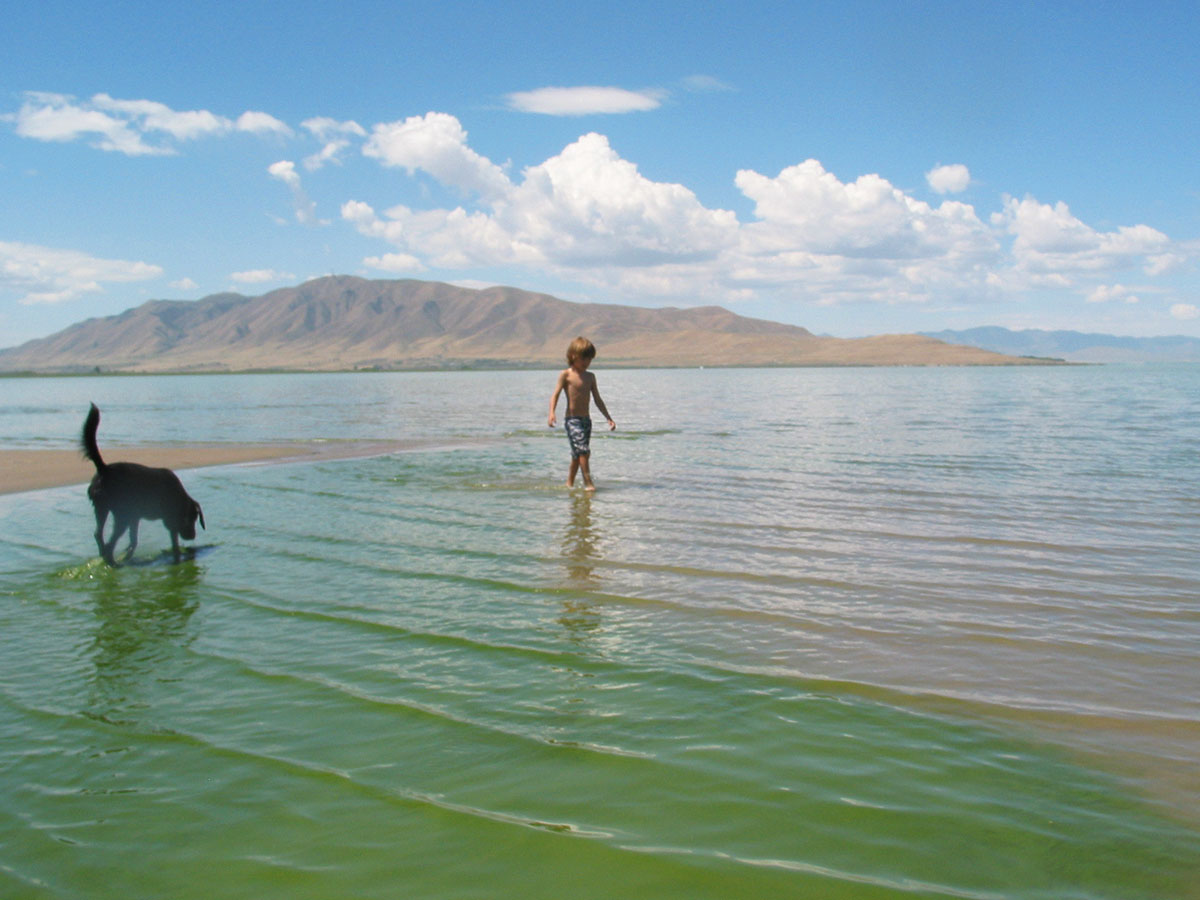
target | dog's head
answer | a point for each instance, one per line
(187, 529)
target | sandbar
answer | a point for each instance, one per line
(33, 470)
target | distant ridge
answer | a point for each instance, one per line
(345, 323)
(1076, 346)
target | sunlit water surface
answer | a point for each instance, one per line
(820, 633)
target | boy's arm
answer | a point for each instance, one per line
(612, 426)
(558, 387)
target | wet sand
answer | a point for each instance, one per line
(32, 470)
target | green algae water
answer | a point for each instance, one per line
(820, 633)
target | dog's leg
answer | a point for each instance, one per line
(175, 544)
(101, 518)
(133, 536)
(119, 527)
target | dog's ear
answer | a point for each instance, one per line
(200, 514)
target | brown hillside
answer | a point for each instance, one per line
(343, 322)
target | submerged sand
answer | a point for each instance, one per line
(32, 470)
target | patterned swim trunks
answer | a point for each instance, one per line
(579, 433)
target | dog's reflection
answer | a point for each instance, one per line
(142, 627)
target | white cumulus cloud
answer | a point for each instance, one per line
(584, 101)
(1161, 263)
(1185, 312)
(148, 115)
(1053, 247)
(584, 207)
(261, 123)
(53, 275)
(1106, 293)
(55, 117)
(436, 143)
(285, 171)
(588, 205)
(588, 214)
(807, 209)
(949, 179)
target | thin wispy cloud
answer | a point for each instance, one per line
(324, 127)
(335, 137)
(261, 276)
(49, 275)
(305, 209)
(584, 101)
(701, 84)
(1113, 293)
(131, 127)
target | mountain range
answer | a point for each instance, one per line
(347, 323)
(1076, 346)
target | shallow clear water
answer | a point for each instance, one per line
(828, 633)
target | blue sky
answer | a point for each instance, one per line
(855, 168)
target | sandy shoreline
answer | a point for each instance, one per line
(32, 470)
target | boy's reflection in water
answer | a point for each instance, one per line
(580, 553)
(579, 543)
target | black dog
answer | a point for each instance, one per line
(132, 492)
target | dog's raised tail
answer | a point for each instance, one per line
(87, 439)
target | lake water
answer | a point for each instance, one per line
(862, 633)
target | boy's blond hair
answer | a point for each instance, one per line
(580, 348)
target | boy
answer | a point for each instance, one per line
(580, 385)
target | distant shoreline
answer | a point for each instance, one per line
(538, 367)
(35, 470)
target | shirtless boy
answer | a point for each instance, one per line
(580, 385)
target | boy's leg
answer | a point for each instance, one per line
(586, 469)
(572, 471)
